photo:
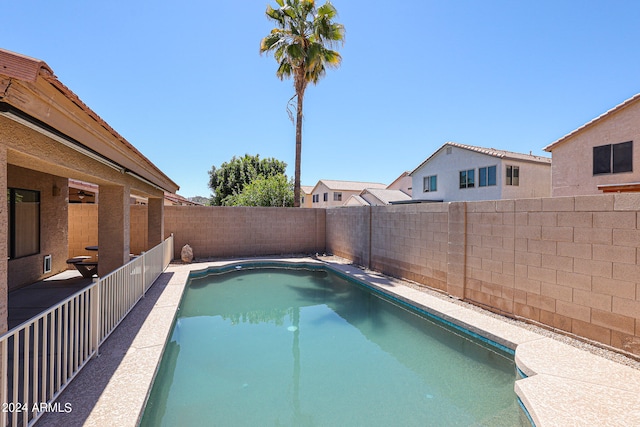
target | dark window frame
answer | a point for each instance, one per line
(490, 177)
(512, 175)
(467, 178)
(613, 158)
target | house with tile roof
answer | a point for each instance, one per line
(305, 196)
(599, 156)
(459, 172)
(403, 183)
(377, 197)
(329, 193)
(398, 191)
(48, 137)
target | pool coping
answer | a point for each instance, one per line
(564, 386)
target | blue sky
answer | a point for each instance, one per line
(184, 81)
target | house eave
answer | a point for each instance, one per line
(549, 148)
(31, 92)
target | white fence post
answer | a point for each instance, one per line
(95, 317)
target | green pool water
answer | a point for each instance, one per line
(283, 347)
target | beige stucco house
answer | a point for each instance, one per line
(48, 135)
(398, 191)
(599, 156)
(306, 196)
(328, 193)
(377, 197)
(403, 183)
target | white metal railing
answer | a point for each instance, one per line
(41, 356)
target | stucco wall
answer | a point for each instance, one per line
(570, 263)
(53, 226)
(214, 231)
(535, 178)
(572, 168)
(322, 188)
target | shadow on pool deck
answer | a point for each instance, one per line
(88, 386)
(29, 301)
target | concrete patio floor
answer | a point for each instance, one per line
(566, 386)
(29, 301)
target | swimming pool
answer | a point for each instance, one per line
(309, 347)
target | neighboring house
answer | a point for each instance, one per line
(328, 193)
(305, 196)
(48, 137)
(403, 183)
(377, 197)
(599, 156)
(458, 172)
(398, 191)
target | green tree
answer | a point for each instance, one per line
(274, 191)
(231, 177)
(301, 44)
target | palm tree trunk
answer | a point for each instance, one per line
(296, 182)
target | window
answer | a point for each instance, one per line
(430, 183)
(613, 158)
(315, 198)
(302, 200)
(467, 178)
(486, 176)
(337, 196)
(325, 197)
(24, 222)
(513, 175)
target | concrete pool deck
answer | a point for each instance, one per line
(566, 386)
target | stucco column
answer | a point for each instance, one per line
(113, 228)
(4, 238)
(155, 222)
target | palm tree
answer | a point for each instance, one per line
(301, 44)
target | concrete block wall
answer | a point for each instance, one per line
(571, 263)
(83, 228)
(245, 231)
(138, 234)
(577, 266)
(349, 233)
(411, 241)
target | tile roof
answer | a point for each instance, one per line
(387, 196)
(494, 152)
(355, 200)
(27, 69)
(21, 66)
(602, 116)
(350, 185)
(406, 173)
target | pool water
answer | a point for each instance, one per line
(283, 347)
